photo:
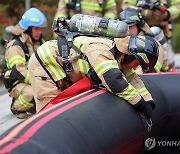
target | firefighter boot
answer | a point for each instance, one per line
(19, 115)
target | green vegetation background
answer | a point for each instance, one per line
(12, 10)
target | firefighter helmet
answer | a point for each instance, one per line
(132, 17)
(33, 17)
(145, 49)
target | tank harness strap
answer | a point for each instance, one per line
(114, 51)
(40, 61)
(64, 51)
(23, 45)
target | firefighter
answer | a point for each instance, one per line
(95, 57)
(27, 38)
(159, 13)
(137, 26)
(155, 10)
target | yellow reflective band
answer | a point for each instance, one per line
(51, 62)
(66, 1)
(110, 15)
(105, 66)
(24, 103)
(91, 6)
(79, 42)
(60, 15)
(34, 19)
(128, 73)
(140, 43)
(144, 57)
(157, 67)
(175, 11)
(143, 91)
(134, 18)
(109, 4)
(132, 2)
(83, 66)
(128, 92)
(26, 80)
(165, 67)
(15, 60)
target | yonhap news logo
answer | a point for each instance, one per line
(151, 143)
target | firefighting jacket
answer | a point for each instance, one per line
(17, 59)
(97, 56)
(152, 16)
(100, 8)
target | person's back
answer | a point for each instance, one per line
(28, 37)
(50, 76)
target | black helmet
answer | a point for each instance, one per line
(132, 17)
(145, 49)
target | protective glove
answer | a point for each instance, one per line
(145, 108)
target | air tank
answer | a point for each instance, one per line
(159, 35)
(93, 25)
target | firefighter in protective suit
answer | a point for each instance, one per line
(111, 60)
(155, 15)
(159, 13)
(28, 37)
(137, 26)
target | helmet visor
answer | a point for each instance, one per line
(150, 65)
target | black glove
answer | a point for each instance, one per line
(145, 108)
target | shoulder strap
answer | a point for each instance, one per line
(21, 44)
(64, 52)
(49, 74)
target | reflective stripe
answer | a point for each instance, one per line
(110, 15)
(143, 91)
(79, 42)
(109, 4)
(96, 7)
(66, 1)
(175, 11)
(165, 67)
(129, 73)
(24, 103)
(128, 92)
(91, 6)
(26, 80)
(157, 67)
(34, 19)
(105, 66)
(60, 15)
(132, 2)
(51, 62)
(83, 66)
(15, 60)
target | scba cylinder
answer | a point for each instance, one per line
(159, 35)
(93, 25)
